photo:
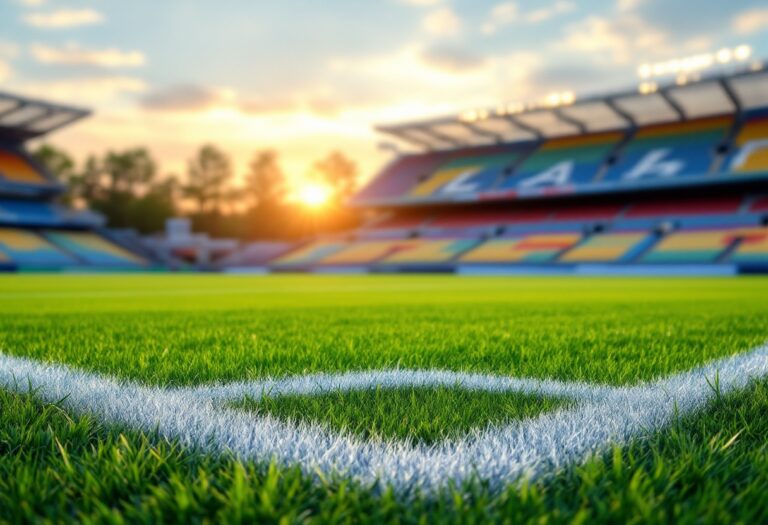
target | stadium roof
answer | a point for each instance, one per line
(23, 118)
(564, 114)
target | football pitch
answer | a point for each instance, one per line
(403, 399)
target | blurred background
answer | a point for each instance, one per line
(255, 119)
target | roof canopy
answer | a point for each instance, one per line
(22, 118)
(711, 95)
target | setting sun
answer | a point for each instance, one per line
(314, 195)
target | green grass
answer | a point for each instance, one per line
(710, 467)
(193, 329)
(419, 414)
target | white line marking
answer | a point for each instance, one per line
(498, 455)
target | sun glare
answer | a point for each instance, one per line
(314, 195)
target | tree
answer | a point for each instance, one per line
(58, 162)
(149, 212)
(338, 172)
(208, 173)
(87, 183)
(265, 180)
(129, 171)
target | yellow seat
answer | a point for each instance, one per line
(15, 168)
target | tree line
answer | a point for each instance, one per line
(128, 189)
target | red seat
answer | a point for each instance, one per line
(710, 206)
(760, 205)
(592, 212)
(489, 218)
(401, 221)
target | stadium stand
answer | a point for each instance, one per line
(93, 248)
(368, 252)
(682, 207)
(485, 218)
(430, 251)
(16, 168)
(672, 176)
(704, 246)
(672, 150)
(307, 254)
(468, 174)
(528, 249)
(752, 248)
(570, 160)
(27, 249)
(36, 232)
(610, 247)
(751, 154)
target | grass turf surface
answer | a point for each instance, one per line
(419, 414)
(192, 329)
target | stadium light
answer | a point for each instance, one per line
(693, 64)
(551, 100)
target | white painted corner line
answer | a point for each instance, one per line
(199, 417)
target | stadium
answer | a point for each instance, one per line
(668, 180)
(548, 311)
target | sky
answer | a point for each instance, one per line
(305, 77)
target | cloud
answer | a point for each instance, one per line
(194, 98)
(183, 97)
(273, 105)
(545, 13)
(501, 14)
(63, 18)
(628, 5)
(9, 49)
(73, 54)
(421, 3)
(508, 13)
(622, 38)
(451, 59)
(442, 22)
(5, 70)
(84, 90)
(31, 3)
(751, 21)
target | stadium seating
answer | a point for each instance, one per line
(694, 246)
(30, 212)
(254, 254)
(28, 249)
(308, 254)
(400, 176)
(564, 161)
(609, 247)
(485, 218)
(401, 220)
(751, 155)
(465, 175)
(522, 249)
(369, 252)
(588, 212)
(15, 168)
(759, 205)
(752, 247)
(93, 248)
(671, 150)
(430, 251)
(681, 207)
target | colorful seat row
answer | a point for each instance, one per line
(740, 245)
(16, 168)
(693, 148)
(60, 248)
(666, 208)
